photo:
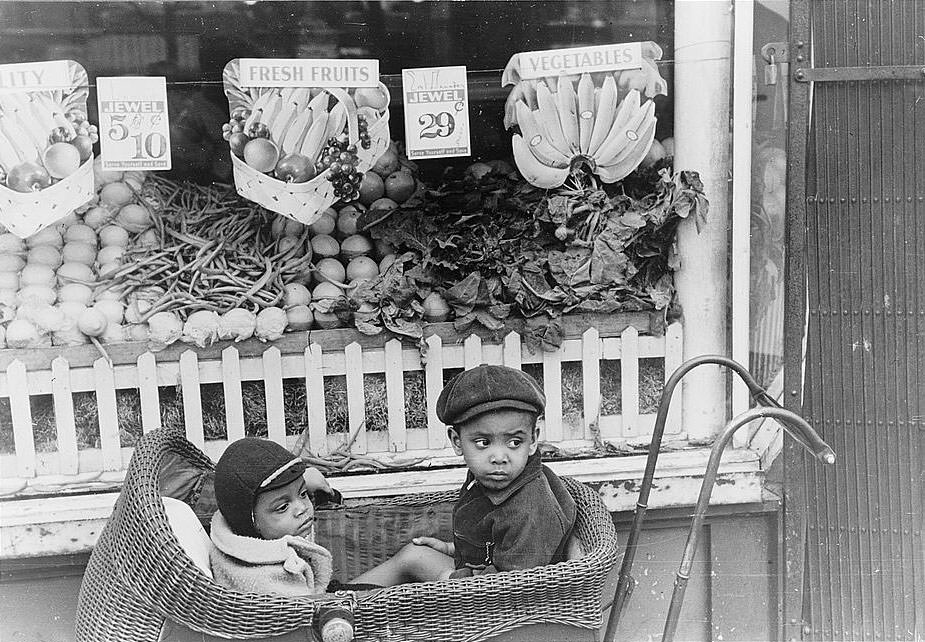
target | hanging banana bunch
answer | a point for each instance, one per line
(604, 120)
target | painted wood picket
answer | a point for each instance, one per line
(311, 361)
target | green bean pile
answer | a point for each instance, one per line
(212, 250)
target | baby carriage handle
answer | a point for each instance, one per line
(793, 424)
(758, 394)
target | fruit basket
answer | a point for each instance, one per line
(46, 154)
(298, 150)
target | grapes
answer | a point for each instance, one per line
(259, 130)
(76, 116)
(235, 124)
(363, 126)
(340, 158)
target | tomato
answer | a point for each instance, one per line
(295, 168)
(61, 159)
(261, 154)
(27, 177)
(237, 141)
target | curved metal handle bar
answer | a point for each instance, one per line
(793, 424)
(761, 397)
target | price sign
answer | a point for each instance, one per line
(134, 130)
(436, 103)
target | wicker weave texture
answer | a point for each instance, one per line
(138, 576)
(25, 213)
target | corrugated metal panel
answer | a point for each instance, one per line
(865, 268)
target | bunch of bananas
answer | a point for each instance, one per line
(598, 120)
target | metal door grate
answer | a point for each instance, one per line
(865, 270)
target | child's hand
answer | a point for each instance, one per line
(315, 481)
(447, 548)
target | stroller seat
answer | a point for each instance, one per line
(141, 585)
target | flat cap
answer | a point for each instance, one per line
(483, 388)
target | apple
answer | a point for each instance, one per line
(400, 185)
(61, 160)
(295, 168)
(84, 146)
(261, 154)
(387, 163)
(28, 177)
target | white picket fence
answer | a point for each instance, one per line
(311, 356)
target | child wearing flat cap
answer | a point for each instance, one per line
(513, 512)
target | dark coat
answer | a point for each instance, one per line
(524, 525)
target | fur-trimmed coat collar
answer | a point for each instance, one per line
(290, 565)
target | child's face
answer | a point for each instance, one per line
(496, 445)
(286, 510)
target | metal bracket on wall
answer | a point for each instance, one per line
(775, 52)
(847, 74)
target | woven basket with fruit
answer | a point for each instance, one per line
(46, 154)
(298, 150)
(600, 122)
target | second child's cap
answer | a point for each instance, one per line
(247, 468)
(483, 388)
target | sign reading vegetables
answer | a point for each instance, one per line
(303, 132)
(46, 144)
(588, 110)
(537, 64)
(134, 121)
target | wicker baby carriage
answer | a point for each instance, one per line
(141, 586)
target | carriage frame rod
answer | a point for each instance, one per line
(759, 395)
(794, 425)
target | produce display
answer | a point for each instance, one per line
(46, 143)
(298, 150)
(153, 260)
(595, 122)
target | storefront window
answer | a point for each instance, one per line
(190, 42)
(769, 173)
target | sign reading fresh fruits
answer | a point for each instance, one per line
(436, 103)
(134, 122)
(308, 72)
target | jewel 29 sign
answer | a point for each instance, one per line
(436, 103)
